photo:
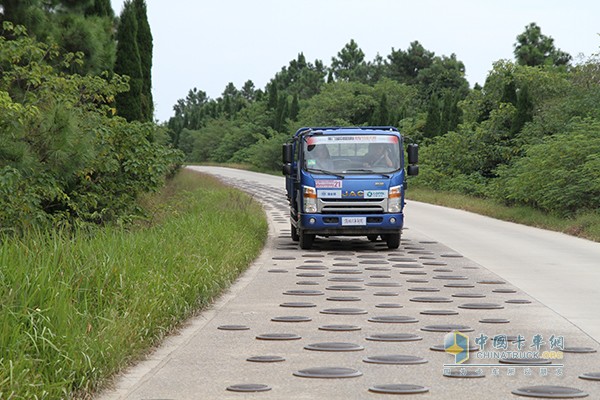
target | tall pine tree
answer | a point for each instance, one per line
(524, 110)
(100, 8)
(381, 116)
(129, 104)
(144, 41)
(294, 108)
(433, 121)
(84, 26)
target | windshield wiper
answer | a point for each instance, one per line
(368, 170)
(326, 172)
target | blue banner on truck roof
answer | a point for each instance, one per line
(352, 139)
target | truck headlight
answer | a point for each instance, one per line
(310, 199)
(395, 199)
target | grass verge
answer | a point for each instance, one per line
(76, 309)
(585, 224)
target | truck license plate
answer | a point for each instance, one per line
(354, 220)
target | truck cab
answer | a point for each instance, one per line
(347, 181)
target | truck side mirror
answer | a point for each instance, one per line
(412, 170)
(286, 169)
(413, 153)
(287, 153)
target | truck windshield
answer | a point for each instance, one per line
(351, 154)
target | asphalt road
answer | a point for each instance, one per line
(383, 311)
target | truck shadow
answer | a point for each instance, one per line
(339, 243)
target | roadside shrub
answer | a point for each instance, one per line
(64, 159)
(559, 175)
(266, 153)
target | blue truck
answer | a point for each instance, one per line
(347, 181)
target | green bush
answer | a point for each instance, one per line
(266, 153)
(64, 159)
(559, 175)
(129, 162)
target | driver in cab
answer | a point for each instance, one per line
(320, 158)
(377, 156)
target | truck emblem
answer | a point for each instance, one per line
(352, 193)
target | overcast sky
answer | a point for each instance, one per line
(207, 44)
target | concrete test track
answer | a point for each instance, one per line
(352, 319)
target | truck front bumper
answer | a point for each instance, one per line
(351, 224)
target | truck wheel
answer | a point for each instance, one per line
(372, 238)
(392, 240)
(306, 241)
(295, 236)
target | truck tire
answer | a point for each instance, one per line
(392, 240)
(295, 236)
(372, 238)
(306, 240)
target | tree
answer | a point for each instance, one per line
(350, 65)
(63, 160)
(330, 77)
(144, 42)
(273, 96)
(300, 77)
(535, 49)
(77, 6)
(339, 103)
(281, 113)
(450, 114)
(310, 81)
(28, 13)
(232, 101)
(446, 113)
(544, 177)
(129, 104)
(404, 66)
(381, 116)
(524, 107)
(444, 73)
(91, 36)
(509, 95)
(433, 122)
(376, 69)
(100, 8)
(190, 113)
(75, 25)
(249, 91)
(294, 108)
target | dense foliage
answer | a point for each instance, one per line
(528, 136)
(84, 26)
(250, 124)
(106, 44)
(64, 158)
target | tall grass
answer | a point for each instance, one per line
(586, 224)
(74, 309)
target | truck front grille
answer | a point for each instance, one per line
(368, 206)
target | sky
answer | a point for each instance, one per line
(206, 44)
